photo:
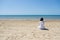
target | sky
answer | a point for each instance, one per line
(29, 7)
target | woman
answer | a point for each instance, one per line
(41, 25)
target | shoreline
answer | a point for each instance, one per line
(32, 19)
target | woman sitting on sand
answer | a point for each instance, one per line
(41, 25)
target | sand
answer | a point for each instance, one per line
(28, 30)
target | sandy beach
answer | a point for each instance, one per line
(28, 30)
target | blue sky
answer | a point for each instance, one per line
(29, 7)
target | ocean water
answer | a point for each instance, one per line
(30, 17)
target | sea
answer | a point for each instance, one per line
(30, 17)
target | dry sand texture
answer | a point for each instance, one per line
(28, 30)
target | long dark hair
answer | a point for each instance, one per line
(41, 19)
